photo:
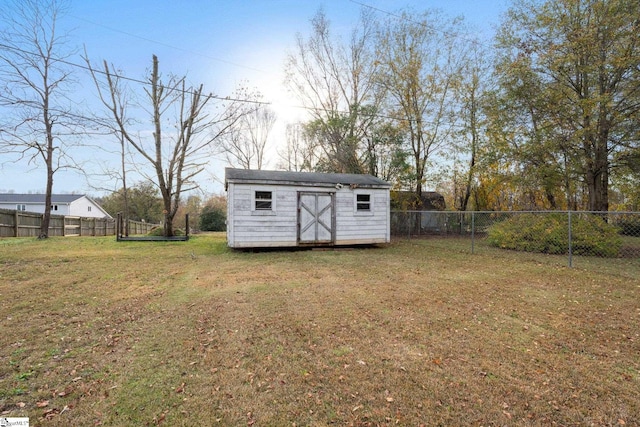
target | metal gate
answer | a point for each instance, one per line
(316, 218)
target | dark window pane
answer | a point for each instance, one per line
(363, 202)
(263, 205)
(263, 200)
(263, 195)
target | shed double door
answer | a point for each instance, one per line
(316, 218)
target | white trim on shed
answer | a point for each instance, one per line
(279, 209)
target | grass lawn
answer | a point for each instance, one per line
(95, 332)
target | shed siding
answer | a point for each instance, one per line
(249, 228)
(355, 227)
(271, 228)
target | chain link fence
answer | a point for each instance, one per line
(568, 234)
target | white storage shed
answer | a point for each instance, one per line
(279, 209)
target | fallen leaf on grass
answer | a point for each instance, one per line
(50, 413)
(159, 419)
(388, 396)
(42, 403)
(250, 419)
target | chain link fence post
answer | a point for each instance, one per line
(473, 231)
(570, 241)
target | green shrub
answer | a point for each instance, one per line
(159, 231)
(213, 218)
(629, 225)
(549, 233)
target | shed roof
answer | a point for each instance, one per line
(38, 198)
(250, 176)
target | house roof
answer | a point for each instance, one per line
(38, 198)
(430, 201)
(250, 176)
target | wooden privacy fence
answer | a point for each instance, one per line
(27, 224)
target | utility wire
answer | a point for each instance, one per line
(228, 98)
(131, 79)
(249, 101)
(166, 44)
(424, 24)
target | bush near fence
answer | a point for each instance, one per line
(27, 224)
(602, 234)
(590, 234)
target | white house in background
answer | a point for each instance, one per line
(61, 204)
(277, 209)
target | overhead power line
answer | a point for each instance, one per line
(167, 45)
(424, 24)
(131, 79)
(221, 98)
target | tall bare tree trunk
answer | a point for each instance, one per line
(46, 216)
(125, 193)
(35, 94)
(48, 159)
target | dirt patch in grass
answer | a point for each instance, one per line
(96, 332)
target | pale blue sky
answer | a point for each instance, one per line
(220, 43)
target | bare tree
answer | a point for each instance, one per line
(245, 144)
(237, 149)
(183, 131)
(420, 59)
(112, 96)
(259, 124)
(299, 153)
(39, 122)
(335, 81)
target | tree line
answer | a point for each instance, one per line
(545, 116)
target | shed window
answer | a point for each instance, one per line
(21, 207)
(264, 201)
(363, 202)
(54, 207)
(89, 208)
